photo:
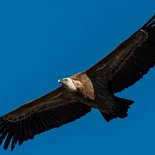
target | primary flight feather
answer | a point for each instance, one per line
(93, 88)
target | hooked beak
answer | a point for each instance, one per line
(59, 81)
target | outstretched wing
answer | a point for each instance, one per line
(47, 112)
(128, 62)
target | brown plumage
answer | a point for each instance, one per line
(93, 88)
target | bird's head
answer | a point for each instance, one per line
(64, 81)
(68, 84)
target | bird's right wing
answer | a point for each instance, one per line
(47, 112)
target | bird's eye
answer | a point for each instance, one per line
(65, 79)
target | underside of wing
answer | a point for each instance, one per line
(128, 62)
(50, 111)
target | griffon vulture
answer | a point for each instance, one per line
(92, 88)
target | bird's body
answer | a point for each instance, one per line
(82, 89)
(92, 88)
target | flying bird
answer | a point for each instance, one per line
(92, 88)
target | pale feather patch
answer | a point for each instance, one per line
(68, 83)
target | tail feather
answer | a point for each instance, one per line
(120, 109)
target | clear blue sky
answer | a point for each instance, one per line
(42, 41)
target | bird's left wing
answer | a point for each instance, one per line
(47, 112)
(128, 62)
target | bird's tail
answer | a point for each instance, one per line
(120, 109)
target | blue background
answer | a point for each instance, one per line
(42, 41)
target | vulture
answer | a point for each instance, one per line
(79, 94)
